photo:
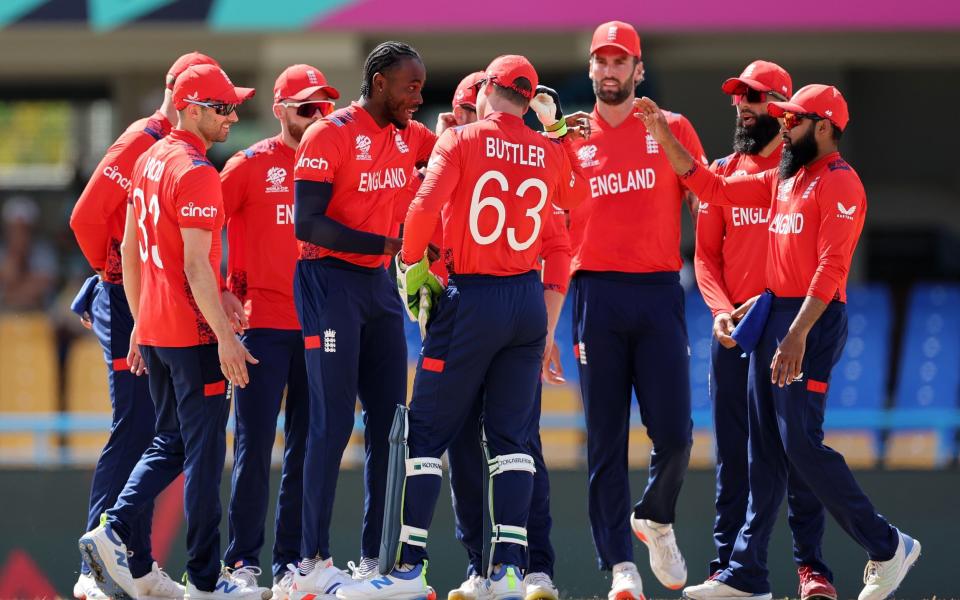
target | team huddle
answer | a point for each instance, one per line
(487, 222)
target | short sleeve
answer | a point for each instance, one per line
(199, 199)
(320, 153)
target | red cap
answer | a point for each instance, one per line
(466, 94)
(185, 62)
(299, 82)
(762, 76)
(207, 82)
(618, 35)
(823, 100)
(506, 69)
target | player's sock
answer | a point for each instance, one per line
(307, 565)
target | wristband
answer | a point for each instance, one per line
(691, 171)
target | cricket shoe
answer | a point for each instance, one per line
(627, 584)
(237, 584)
(321, 583)
(367, 569)
(539, 586)
(106, 556)
(882, 578)
(814, 586)
(410, 584)
(666, 562)
(471, 589)
(283, 582)
(714, 589)
(506, 583)
(86, 588)
(157, 585)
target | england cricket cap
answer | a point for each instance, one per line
(207, 82)
(299, 82)
(185, 62)
(466, 94)
(762, 76)
(817, 99)
(618, 35)
(505, 70)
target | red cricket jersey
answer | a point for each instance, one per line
(100, 213)
(816, 218)
(258, 197)
(370, 168)
(730, 257)
(174, 187)
(630, 222)
(494, 181)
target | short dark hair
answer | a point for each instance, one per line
(512, 94)
(383, 58)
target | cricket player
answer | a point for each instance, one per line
(258, 199)
(492, 180)
(353, 174)
(817, 208)
(171, 259)
(629, 324)
(465, 455)
(97, 222)
(729, 261)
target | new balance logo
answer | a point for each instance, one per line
(381, 583)
(846, 213)
(330, 340)
(121, 558)
(226, 586)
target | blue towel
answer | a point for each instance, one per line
(750, 328)
(81, 304)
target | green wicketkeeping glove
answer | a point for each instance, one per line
(419, 288)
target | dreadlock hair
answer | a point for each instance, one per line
(383, 58)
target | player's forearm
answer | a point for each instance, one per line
(554, 302)
(810, 312)
(205, 289)
(130, 261)
(311, 223)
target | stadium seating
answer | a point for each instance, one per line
(928, 379)
(87, 391)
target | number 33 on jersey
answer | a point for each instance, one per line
(494, 180)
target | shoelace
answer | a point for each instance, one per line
(474, 582)
(625, 574)
(366, 567)
(871, 572)
(287, 580)
(668, 543)
(165, 582)
(246, 575)
(540, 579)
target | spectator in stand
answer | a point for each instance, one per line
(28, 267)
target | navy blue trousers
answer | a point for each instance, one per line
(280, 352)
(354, 342)
(192, 409)
(487, 334)
(786, 428)
(728, 390)
(133, 419)
(468, 468)
(630, 332)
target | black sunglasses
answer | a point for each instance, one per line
(220, 108)
(754, 97)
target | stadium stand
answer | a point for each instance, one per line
(87, 391)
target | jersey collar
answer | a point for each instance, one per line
(505, 118)
(282, 146)
(182, 135)
(365, 119)
(821, 162)
(603, 124)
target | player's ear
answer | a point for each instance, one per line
(378, 83)
(278, 111)
(638, 72)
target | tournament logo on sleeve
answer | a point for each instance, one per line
(363, 146)
(275, 177)
(588, 156)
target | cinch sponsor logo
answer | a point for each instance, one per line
(749, 216)
(618, 183)
(284, 214)
(787, 223)
(193, 211)
(312, 163)
(113, 174)
(381, 180)
(153, 169)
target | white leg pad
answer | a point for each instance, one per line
(413, 536)
(424, 466)
(510, 462)
(509, 534)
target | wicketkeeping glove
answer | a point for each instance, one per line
(419, 289)
(546, 103)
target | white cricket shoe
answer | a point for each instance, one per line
(627, 584)
(157, 585)
(881, 579)
(506, 583)
(102, 551)
(539, 586)
(714, 589)
(86, 588)
(283, 583)
(471, 589)
(239, 584)
(367, 569)
(666, 562)
(397, 585)
(321, 583)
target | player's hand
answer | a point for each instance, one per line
(134, 359)
(433, 252)
(579, 121)
(86, 322)
(787, 360)
(411, 279)
(722, 328)
(552, 370)
(445, 120)
(741, 311)
(235, 313)
(653, 119)
(546, 105)
(234, 357)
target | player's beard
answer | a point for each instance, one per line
(614, 97)
(212, 130)
(797, 154)
(753, 139)
(297, 129)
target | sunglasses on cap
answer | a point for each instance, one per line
(753, 97)
(220, 108)
(791, 120)
(309, 108)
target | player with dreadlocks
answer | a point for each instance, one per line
(354, 178)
